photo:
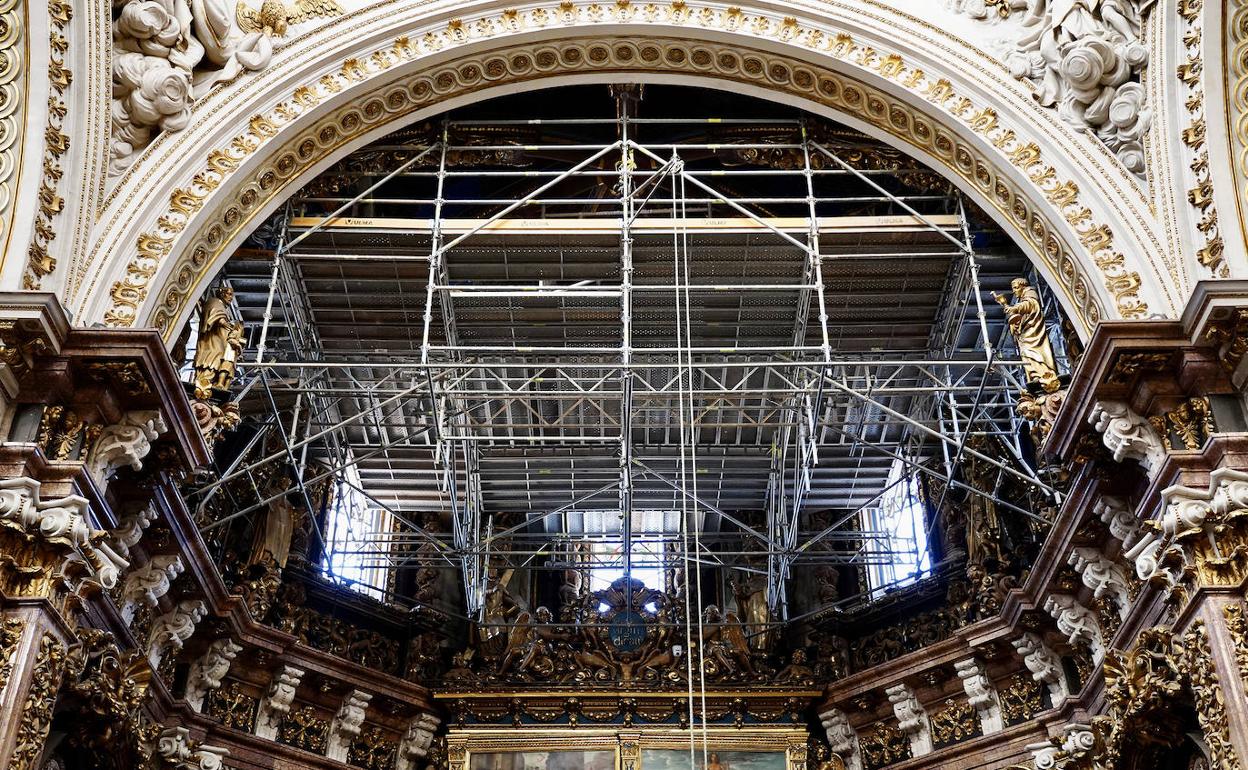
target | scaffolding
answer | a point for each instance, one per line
(624, 339)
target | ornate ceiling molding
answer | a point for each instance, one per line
(13, 66)
(39, 260)
(957, 132)
(1211, 251)
(1235, 78)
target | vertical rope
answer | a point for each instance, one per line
(693, 460)
(681, 465)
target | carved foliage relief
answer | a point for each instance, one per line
(1200, 194)
(1143, 686)
(37, 709)
(40, 261)
(1085, 61)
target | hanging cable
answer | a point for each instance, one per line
(693, 457)
(681, 466)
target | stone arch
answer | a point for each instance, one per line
(193, 196)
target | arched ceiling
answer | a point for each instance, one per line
(185, 201)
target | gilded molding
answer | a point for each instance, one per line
(233, 707)
(1200, 197)
(40, 261)
(373, 750)
(106, 688)
(1210, 703)
(883, 745)
(1237, 625)
(1187, 426)
(1230, 334)
(12, 97)
(633, 54)
(10, 637)
(37, 708)
(955, 721)
(1236, 79)
(1140, 687)
(1021, 698)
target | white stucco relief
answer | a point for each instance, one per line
(1106, 190)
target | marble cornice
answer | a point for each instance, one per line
(995, 750)
(999, 628)
(1110, 340)
(58, 478)
(986, 638)
(248, 750)
(41, 310)
(1195, 366)
(235, 621)
(146, 348)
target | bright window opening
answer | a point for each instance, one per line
(897, 553)
(607, 563)
(355, 556)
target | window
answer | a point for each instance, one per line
(607, 562)
(897, 554)
(652, 531)
(355, 542)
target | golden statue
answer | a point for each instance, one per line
(499, 604)
(826, 760)
(725, 642)
(751, 595)
(797, 672)
(219, 345)
(1026, 320)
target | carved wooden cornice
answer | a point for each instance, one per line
(1154, 365)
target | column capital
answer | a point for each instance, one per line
(47, 548)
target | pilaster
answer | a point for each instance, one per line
(69, 538)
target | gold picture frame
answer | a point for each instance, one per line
(630, 745)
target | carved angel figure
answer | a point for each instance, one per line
(797, 672)
(725, 641)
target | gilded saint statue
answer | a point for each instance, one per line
(219, 344)
(1026, 320)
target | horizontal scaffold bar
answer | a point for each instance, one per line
(640, 226)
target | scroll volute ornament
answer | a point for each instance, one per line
(47, 549)
(1201, 541)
